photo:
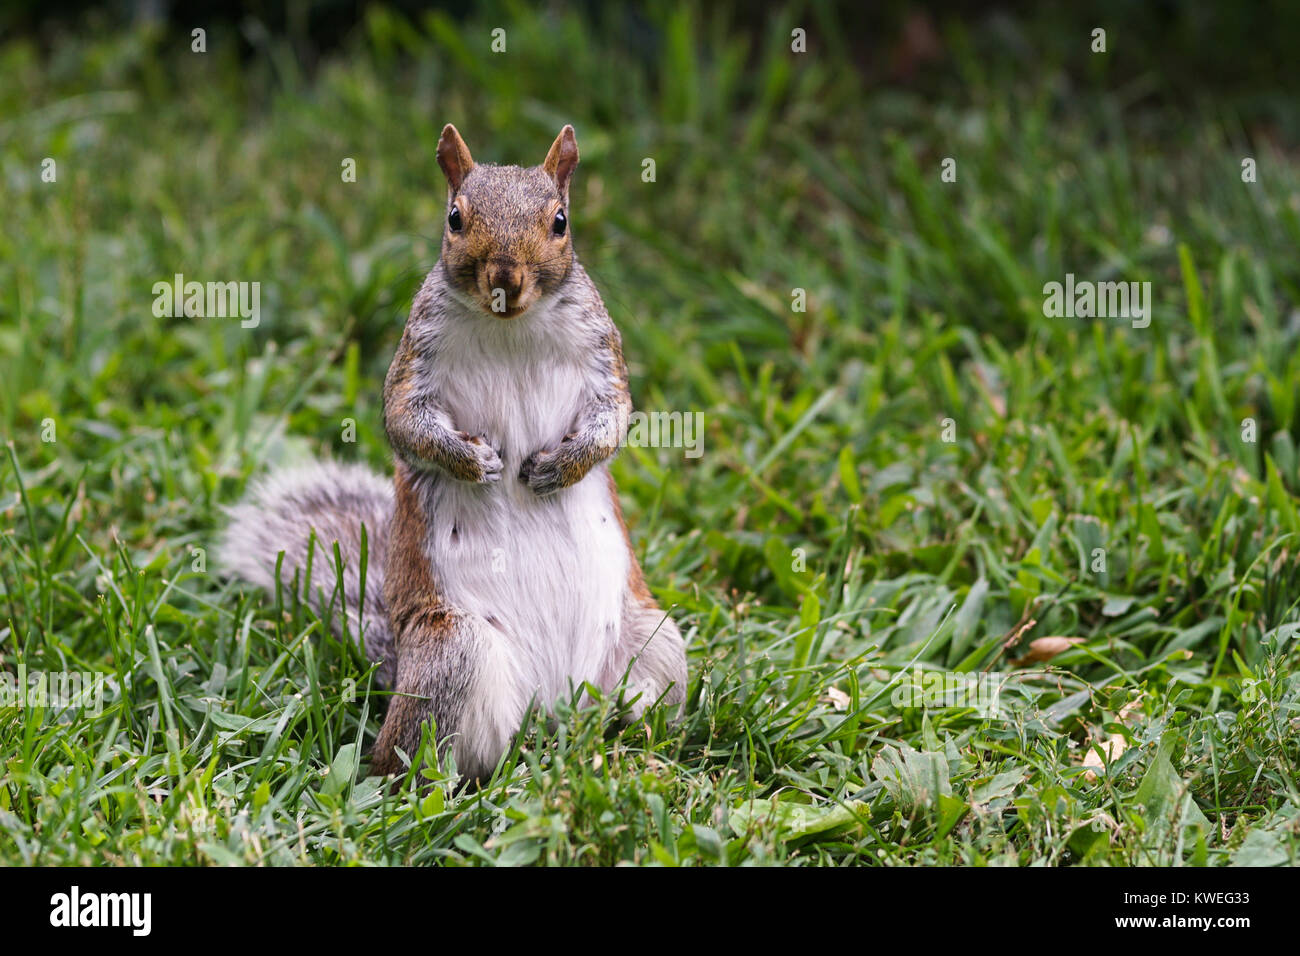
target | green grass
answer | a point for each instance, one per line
(827, 544)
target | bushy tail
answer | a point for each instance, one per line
(335, 500)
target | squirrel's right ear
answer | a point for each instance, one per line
(454, 157)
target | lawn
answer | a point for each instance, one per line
(911, 474)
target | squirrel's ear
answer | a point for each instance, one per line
(562, 158)
(454, 157)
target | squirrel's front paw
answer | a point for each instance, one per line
(484, 464)
(542, 472)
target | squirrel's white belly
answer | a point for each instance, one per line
(548, 574)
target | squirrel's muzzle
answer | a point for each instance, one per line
(505, 285)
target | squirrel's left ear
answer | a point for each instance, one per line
(561, 160)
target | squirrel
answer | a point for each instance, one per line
(508, 577)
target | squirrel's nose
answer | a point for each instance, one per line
(505, 274)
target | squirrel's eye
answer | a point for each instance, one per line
(560, 223)
(453, 219)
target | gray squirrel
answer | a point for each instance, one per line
(500, 569)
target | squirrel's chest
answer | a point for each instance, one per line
(519, 405)
(551, 572)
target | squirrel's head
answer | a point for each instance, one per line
(506, 237)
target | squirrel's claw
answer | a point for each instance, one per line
(541, 472)
(485, 457)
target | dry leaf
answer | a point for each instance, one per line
(1045, 648)
(1114, 746)
(1128, 710)
(836, 698)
